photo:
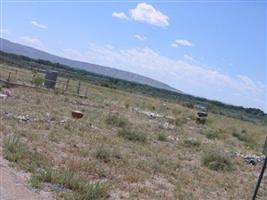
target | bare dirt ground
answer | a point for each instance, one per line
(14, 185)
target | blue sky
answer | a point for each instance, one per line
(208, 49)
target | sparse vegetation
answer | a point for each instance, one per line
(214, 134)
(132, 135)
(18, 152)
(217, 161)
(82, 189)
(103, 154)
(70, 153)
(245, 137)
(116, 120)
(192, 143)
(37, 78)
(162, 137)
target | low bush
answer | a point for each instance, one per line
(103, 154)
(162, 137)
(116, 120)
(82, 189)
(217, 161)
(38, 80)
(191, 143)
(19, 153)
(214, 134)
(133, 136)
(245, 137)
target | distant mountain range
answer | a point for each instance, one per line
(15, 48)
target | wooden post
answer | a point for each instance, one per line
(86, 92)
(67, 85)
(8, 79)
(78, 89)
(63, 87)
(16, 75)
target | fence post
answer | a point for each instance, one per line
(8, 79)
(67, 85)
(86, 92)
(78, 89)
(262, 171)
(16, 75)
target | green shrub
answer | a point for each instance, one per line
(115, 120)
(81, 188)
(244, 137)
(214, 134)
(180, 121)
(38, 80)
(103, 154)
(191, 143)
(133, 136)
(162, 137)
(247, 138)
(217, 161)
(19, 153)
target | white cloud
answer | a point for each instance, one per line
(183, 43)
(120, 15)
(188, 77)
(4, 31)
(140, 37)
(188, 57)
(145, 13)
(39, 25)
(174, 45)
(31, 41)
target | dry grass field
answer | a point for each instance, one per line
(117, 151)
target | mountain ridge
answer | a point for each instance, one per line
(16, 48)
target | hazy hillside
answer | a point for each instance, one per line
(16, 48)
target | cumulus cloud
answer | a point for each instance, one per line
(186, 76)
(140, 37)
(120, 15)
(38, 25)
(174, 45)
(31, 41)
(145, 13)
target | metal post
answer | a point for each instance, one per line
(260, 178)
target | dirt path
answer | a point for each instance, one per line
(14, 185)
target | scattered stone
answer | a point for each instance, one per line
(65, 120)
(250, 158)
(172, 138)
(7, 114)
(166, 125)
(24, 118)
